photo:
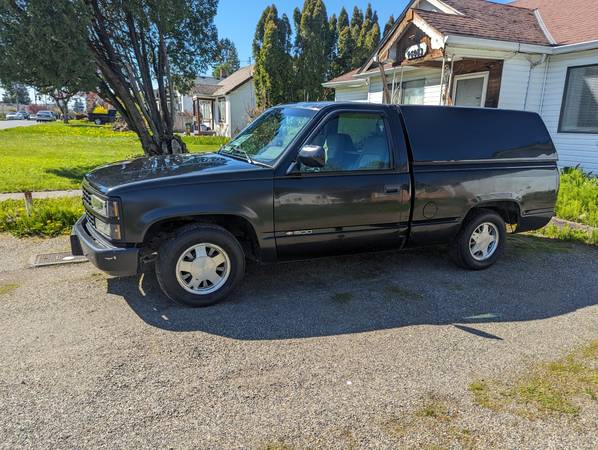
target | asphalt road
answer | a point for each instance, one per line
(333, 353)
(6, 124)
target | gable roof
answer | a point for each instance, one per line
(568, 21)
(225, 86)
(487, 20)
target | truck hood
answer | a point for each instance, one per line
(149, 170)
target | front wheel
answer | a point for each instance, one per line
(200, 265)
(480, 241)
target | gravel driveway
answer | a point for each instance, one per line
(333, 353)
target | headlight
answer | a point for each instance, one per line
(110, 230)
(106, 208)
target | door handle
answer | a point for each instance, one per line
(391, 188)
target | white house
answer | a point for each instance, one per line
(535, 55)
(225, 106)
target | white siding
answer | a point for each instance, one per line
(573, 148)
(351, 94)
(240, 103)
(522, 74)
(431, 89)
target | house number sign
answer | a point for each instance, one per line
(416, 51)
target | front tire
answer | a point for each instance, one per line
(200, 265)
(480, 241)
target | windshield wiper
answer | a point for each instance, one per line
(237, 149)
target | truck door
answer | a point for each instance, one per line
(358, 201)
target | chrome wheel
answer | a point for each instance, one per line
(203, 268)
(483, 241)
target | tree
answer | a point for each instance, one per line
(342, 59)
(53, 59)
(313, 49)
(16, 93)
(137, 52)
(389, 25)
(227, 59)
(145, 51)
(366, 36)
(271, 51)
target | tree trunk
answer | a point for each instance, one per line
(126, 82)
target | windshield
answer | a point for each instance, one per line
(269, 136)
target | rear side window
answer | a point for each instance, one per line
(352, 142)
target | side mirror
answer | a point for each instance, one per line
(312, 156)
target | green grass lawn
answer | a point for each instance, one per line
(56, 156)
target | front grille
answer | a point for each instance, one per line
(86, 198)
(91, 220)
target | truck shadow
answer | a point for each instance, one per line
(534, 280)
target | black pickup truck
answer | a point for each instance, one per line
(314, 179)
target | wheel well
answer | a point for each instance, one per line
(508, 210)
(238, 226)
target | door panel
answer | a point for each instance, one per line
(325, 214)
(356, 201)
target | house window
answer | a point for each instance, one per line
(222, 109)
(579, 113)
(470, 89)
(412, 92)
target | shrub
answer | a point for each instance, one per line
(50, 217)
(578, 197)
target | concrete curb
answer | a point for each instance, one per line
(42, 194)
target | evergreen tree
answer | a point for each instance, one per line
(227, 59)
(389, 25)
(345, 46)
(313, 50)
(271, 47)
(16, 93)
(135, 53)
(356, 20)
(367, 37)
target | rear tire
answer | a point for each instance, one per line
(480, 241)
(200, 265)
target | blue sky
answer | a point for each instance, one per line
(236, 19)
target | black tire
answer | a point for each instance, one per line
(171, 250)
(460, 251)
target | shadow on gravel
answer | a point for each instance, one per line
(352, 294)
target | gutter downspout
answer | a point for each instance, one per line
(532, 65)
(544, 84)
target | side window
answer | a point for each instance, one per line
(353, 141)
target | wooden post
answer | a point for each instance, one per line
(385, 93)
(28, 203)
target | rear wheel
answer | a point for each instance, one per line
(200, 265)
(480, 241)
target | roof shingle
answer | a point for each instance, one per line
(208, 88)
(488, 20)
(568, 21)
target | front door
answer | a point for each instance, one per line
(470, 89)
(356, 202)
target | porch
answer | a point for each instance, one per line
(451, 80)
